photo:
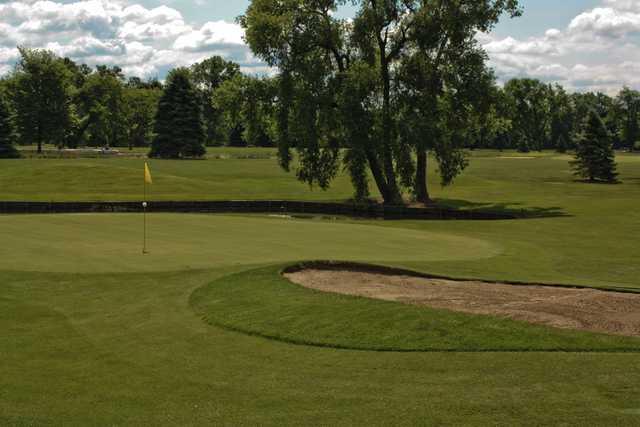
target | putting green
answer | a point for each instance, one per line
(102, 243)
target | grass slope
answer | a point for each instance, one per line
(261, 302)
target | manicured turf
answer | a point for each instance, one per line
(121, 179)
(261, 302)
(113, 243)
(94, 333)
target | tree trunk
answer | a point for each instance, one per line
(378, 175)
(39, 139)
(394, 196)
(421, 186)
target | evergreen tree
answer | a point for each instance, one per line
(179, 129)
(595, 158)
(7, 134)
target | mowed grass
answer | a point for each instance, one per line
(95, 333)
(261, 302)
(86, 243)
(224, 176)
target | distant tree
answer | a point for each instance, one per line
(178, 124)
(115, 71)
(102, 108)
(604, 105)
(208, 76)
(628, 109)
(247, 111)
(137, 83)
(41, 96)
(595, 158)
(562, 145)
(141, 108)
(79, 73)
(530, 113)
(258, 111)
(7, 132)
(491, 125)
(561, 118)
(236, 136)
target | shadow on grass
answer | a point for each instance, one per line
(515, 209)
(597, 182)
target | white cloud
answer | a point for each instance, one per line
(144, 42)
(599, 50)
(211, 35)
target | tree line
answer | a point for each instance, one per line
(373, 95)
(527, 114)
(49, 100)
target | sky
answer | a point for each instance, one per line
(581, 44)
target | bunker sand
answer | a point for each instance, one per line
(582, 309)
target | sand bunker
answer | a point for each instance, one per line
(585, 309)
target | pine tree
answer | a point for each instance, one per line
(179, 128)
(7, 134)
(595, 158)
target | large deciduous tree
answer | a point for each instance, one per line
(102, 108)
(246, 105)
(349, 84)
(208, 76)
(178, 125)
(627, 107)
(530, 113)
(41, 96)
(141, 108)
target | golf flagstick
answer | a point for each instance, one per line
(147, 180)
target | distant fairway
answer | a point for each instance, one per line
(247, 174)
(93, 332)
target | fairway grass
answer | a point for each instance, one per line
(94, 333)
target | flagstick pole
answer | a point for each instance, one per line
(144, 216)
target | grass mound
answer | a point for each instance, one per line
(261, 302)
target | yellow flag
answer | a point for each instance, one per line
(147, 174)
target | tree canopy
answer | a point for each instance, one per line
(416, 57)
(41, 97)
